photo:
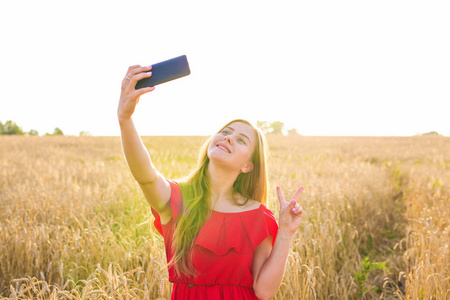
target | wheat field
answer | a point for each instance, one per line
(74, 224)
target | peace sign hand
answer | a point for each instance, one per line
(290, 212)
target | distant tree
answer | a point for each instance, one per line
(264, 126)
(10, 128)
(277, 127)
(58, 131)
(33, 132)
(431, 133)
(85, 133)
(293, 131)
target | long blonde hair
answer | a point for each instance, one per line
(196, 192)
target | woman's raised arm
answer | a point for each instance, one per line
(154, 186)
(269, 263)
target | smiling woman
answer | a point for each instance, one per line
(220, 238)
(234, 146)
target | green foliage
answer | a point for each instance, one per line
(431, 133)
(293, 131)
(85, 133)
(264, 126)
(276, 127)
(10, 128)
(362, 275)
(421, 294)
(33, 132)
(57, 131)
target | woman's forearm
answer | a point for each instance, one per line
(272, 271)
(136, 154)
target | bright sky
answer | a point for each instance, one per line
(322, 67)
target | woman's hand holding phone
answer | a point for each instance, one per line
(129, 96)
(139, 81)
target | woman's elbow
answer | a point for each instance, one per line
(261, 293)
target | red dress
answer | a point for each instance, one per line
(222, 253)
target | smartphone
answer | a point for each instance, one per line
(166, 71)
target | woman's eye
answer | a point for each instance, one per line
(241, 141)
(225, 132)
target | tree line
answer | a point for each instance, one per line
(276, 127)
(11, 128)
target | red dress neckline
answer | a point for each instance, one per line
(237, 212)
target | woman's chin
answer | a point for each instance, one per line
(218, 154)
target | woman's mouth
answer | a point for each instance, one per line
(223, 147)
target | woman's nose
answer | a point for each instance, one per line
(228, 139)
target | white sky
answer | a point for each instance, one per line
(322, 67)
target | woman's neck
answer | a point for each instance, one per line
(221, 183)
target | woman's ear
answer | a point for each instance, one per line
(247, 168)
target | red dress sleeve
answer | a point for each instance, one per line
(175, 202)
(266, 224)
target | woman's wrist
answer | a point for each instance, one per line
(285, 235)
(124, 119)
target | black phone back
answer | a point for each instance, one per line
(166, 71)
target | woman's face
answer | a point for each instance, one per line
(234, 146)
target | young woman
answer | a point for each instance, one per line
(221, 241)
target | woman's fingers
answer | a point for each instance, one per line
(142, 91)
(129, 96)
(136, 70)
(294, 198)
(130, 68)
(297, 209)
(138, 77)
(130, 71)
(293, 206)
(134, 76)
(280, 195)
(297, 194)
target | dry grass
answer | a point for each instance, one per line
(74, 225)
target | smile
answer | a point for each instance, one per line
(223, 148)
